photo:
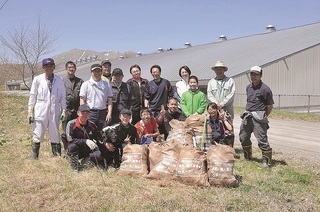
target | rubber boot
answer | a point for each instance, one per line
(35, 150)
(56, 149)
(247, 152)
(74, 161)
(266, 159)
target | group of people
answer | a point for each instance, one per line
(103, 114)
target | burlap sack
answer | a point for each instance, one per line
(134, 160)
(192, 167)
(181, 136)
(176, 124)
(220, 166)
(155, 154)
(195, 122)
(167, 166)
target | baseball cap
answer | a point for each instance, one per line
(47, 61)
(117, 71)
(94, 66)
(84, 107)
(125, 111)
(104, 61)
(256, 69)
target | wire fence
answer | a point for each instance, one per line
(307, 103)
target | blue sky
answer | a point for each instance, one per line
(146, 25)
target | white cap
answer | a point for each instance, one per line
(256, 69)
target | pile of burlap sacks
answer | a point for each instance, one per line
(188, 156)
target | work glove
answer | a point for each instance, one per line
(30, 116)
(91, 144)
(63, 115)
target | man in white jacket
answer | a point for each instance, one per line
(47, 98)
(221, 89)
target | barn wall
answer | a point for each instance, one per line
(291, 80)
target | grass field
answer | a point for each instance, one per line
(49, 185)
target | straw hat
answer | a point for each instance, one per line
(219, 64)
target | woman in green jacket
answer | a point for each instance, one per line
(193, 101)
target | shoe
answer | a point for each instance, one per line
(86, 163)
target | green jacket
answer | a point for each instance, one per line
(192, 102)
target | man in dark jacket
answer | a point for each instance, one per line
(117, 136)
(72, 85)
(121, 95)
(138, 86)
(83, 137)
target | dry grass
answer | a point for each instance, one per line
(49, 185)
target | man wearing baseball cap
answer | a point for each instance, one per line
(122, 95)
(106, 70)
(255, 117)
(47, 97)
(98, 95)
(117, 137)
(83, 136)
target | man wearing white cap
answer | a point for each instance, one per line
(255, 117)
(97, 94)
(221, 89)
(47, 98)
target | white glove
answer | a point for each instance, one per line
(63, 115)
(30, 116)
(91, 144)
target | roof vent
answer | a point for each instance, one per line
(139, 54)
(187, 44)
(270, 28)
(121, 57)
(160, 50)
(222, 37)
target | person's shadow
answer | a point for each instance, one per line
(239, 153)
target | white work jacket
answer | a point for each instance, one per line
(47, 104)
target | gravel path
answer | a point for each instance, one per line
(295, 139)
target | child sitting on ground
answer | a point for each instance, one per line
(147, 127)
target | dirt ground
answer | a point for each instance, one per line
(295, 139)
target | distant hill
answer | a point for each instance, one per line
(79, 56)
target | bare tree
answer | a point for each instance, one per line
(26, 46)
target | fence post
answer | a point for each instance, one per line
(308, 103)
(279, 101)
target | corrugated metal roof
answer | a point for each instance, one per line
(238, 54)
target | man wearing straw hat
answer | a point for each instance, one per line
(221, 89)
